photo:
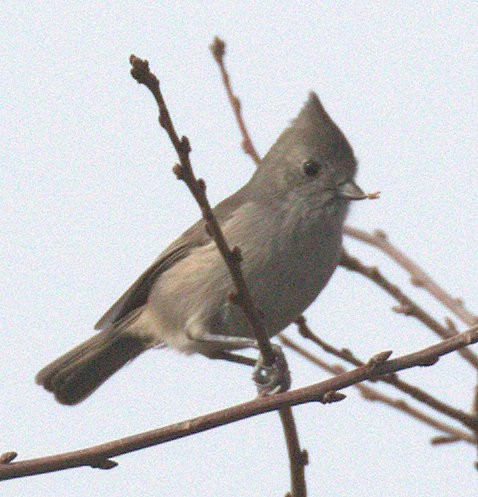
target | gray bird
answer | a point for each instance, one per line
(287, 221)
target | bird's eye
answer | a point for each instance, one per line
(311, 167)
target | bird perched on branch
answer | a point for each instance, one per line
(287, 221)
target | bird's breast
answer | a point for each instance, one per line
(285, 266)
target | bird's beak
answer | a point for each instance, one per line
(350, 191)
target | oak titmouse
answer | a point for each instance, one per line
(287, 221)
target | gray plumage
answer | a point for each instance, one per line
(287, 220)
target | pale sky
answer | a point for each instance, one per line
(89, 200)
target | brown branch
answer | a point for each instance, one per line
(474, 410)
(142, 74)
(445, 439)
(225, 355)
(7, 457)
(99, 456)
(474, 407)
(374, 395)
(403, 386)
(407, 305)
(419, 277)
(296, 455)
(344, 354)
(232, 257)
(298, 458)
(218, 50)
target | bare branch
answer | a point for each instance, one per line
(93, 456)
(218, 49)
(403, 386)
(232, 257)
(374, 395)
(407, 305)
(141, 72)
(298, 458)
(474, 410)
(8, 457)
(418, 276)
(445, 439)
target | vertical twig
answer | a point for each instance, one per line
(297, 459)
(218, 49)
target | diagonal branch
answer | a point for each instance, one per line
(232, 257)
(142, 74)
(374, 395)
(99, 456)
(403, 386)
(407, 305)
(418, 276)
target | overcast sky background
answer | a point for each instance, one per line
(89, 200)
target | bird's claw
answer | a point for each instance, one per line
(272, 379)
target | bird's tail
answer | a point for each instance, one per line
(78, 373)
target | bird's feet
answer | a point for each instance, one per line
(272, 379)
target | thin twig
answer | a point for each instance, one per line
(232, 257)
(97, 455)
(218, 49)
(474, 410)
(403, 386)
(141, 72)
(407, 305)
(419, 277)
(296, 460)
(374, 395)
(445, 439)
(225, 355)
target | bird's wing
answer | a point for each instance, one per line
(137, 293)
(196, 236)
